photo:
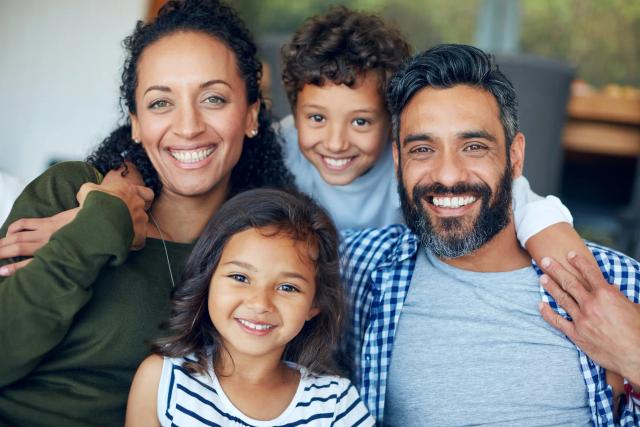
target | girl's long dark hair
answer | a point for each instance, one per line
(261, 163)
(275, 212)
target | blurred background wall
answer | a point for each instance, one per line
(575, 64)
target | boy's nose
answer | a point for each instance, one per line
(337, 140)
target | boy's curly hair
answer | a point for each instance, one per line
(339, 47)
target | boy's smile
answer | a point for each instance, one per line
(342, 130)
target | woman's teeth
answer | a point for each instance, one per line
(193, 156)
(453, 202)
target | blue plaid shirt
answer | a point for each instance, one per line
(377, 267)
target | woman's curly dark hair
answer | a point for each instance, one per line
(261, 163)
(338, 47)
(273, 212)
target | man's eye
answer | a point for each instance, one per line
(239, 277)
(318, 118)
(474, 147)
(421, 149)
(160, 103)
(287, 287)
(360, 122)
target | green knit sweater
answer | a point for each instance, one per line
(74, 323)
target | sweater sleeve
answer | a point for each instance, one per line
(38, 303)
(533, 213)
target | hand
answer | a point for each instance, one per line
(25, 236)
(606, 325)
(136, 197)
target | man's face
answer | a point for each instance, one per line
(454, 174)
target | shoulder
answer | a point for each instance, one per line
(143, 395)
(618, 269)
(73, 172)
(376, 242)
(338, 396)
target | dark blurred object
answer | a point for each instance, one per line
(269, 48)
(543, 86)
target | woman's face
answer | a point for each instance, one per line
(192, 112)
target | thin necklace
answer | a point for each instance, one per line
(166, 253)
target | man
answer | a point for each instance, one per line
(446, 327)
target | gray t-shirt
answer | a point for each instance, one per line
(472, 348)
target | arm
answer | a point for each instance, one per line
(544, 226)
(143, 396)
(38, 304)
(26, 235)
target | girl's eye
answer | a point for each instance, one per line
(238, 277)
(317, 118)
(288, 287)
(360, 122)
(160, 103)
(215, 100)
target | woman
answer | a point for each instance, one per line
(73, 323)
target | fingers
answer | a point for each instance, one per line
(146, 194)
(557, 321)
(592, 275)
(560, 296)
(567, 281)
(21, 225)
(85, 189)
(10, 269)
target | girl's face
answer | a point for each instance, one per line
(262, 293)
(192, 112)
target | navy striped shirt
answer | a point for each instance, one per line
(186, 399)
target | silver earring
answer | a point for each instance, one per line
(254, 133)
(136, 141)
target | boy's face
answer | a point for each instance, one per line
(342, 130)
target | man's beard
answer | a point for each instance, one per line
(450, 238)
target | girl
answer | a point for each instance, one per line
(254, 323)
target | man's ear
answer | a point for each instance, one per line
(396, 154)
(135, 127)
(252, 126)
(516, 153)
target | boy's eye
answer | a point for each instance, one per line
(215, 100)
(160, 103)
(360, 122)
(238, 277)
(287, 287)
(318, 118)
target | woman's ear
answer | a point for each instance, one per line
(252, 127)
(135, 127)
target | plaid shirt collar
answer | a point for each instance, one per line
(377, 268)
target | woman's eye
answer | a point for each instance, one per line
(317, 118)
(360, 122)
(239, 278)
(215, 100)
(287, 287)
(160, 103)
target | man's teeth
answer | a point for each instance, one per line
(191, 156)
(257, 327)
(453, 202)
(337, 163)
